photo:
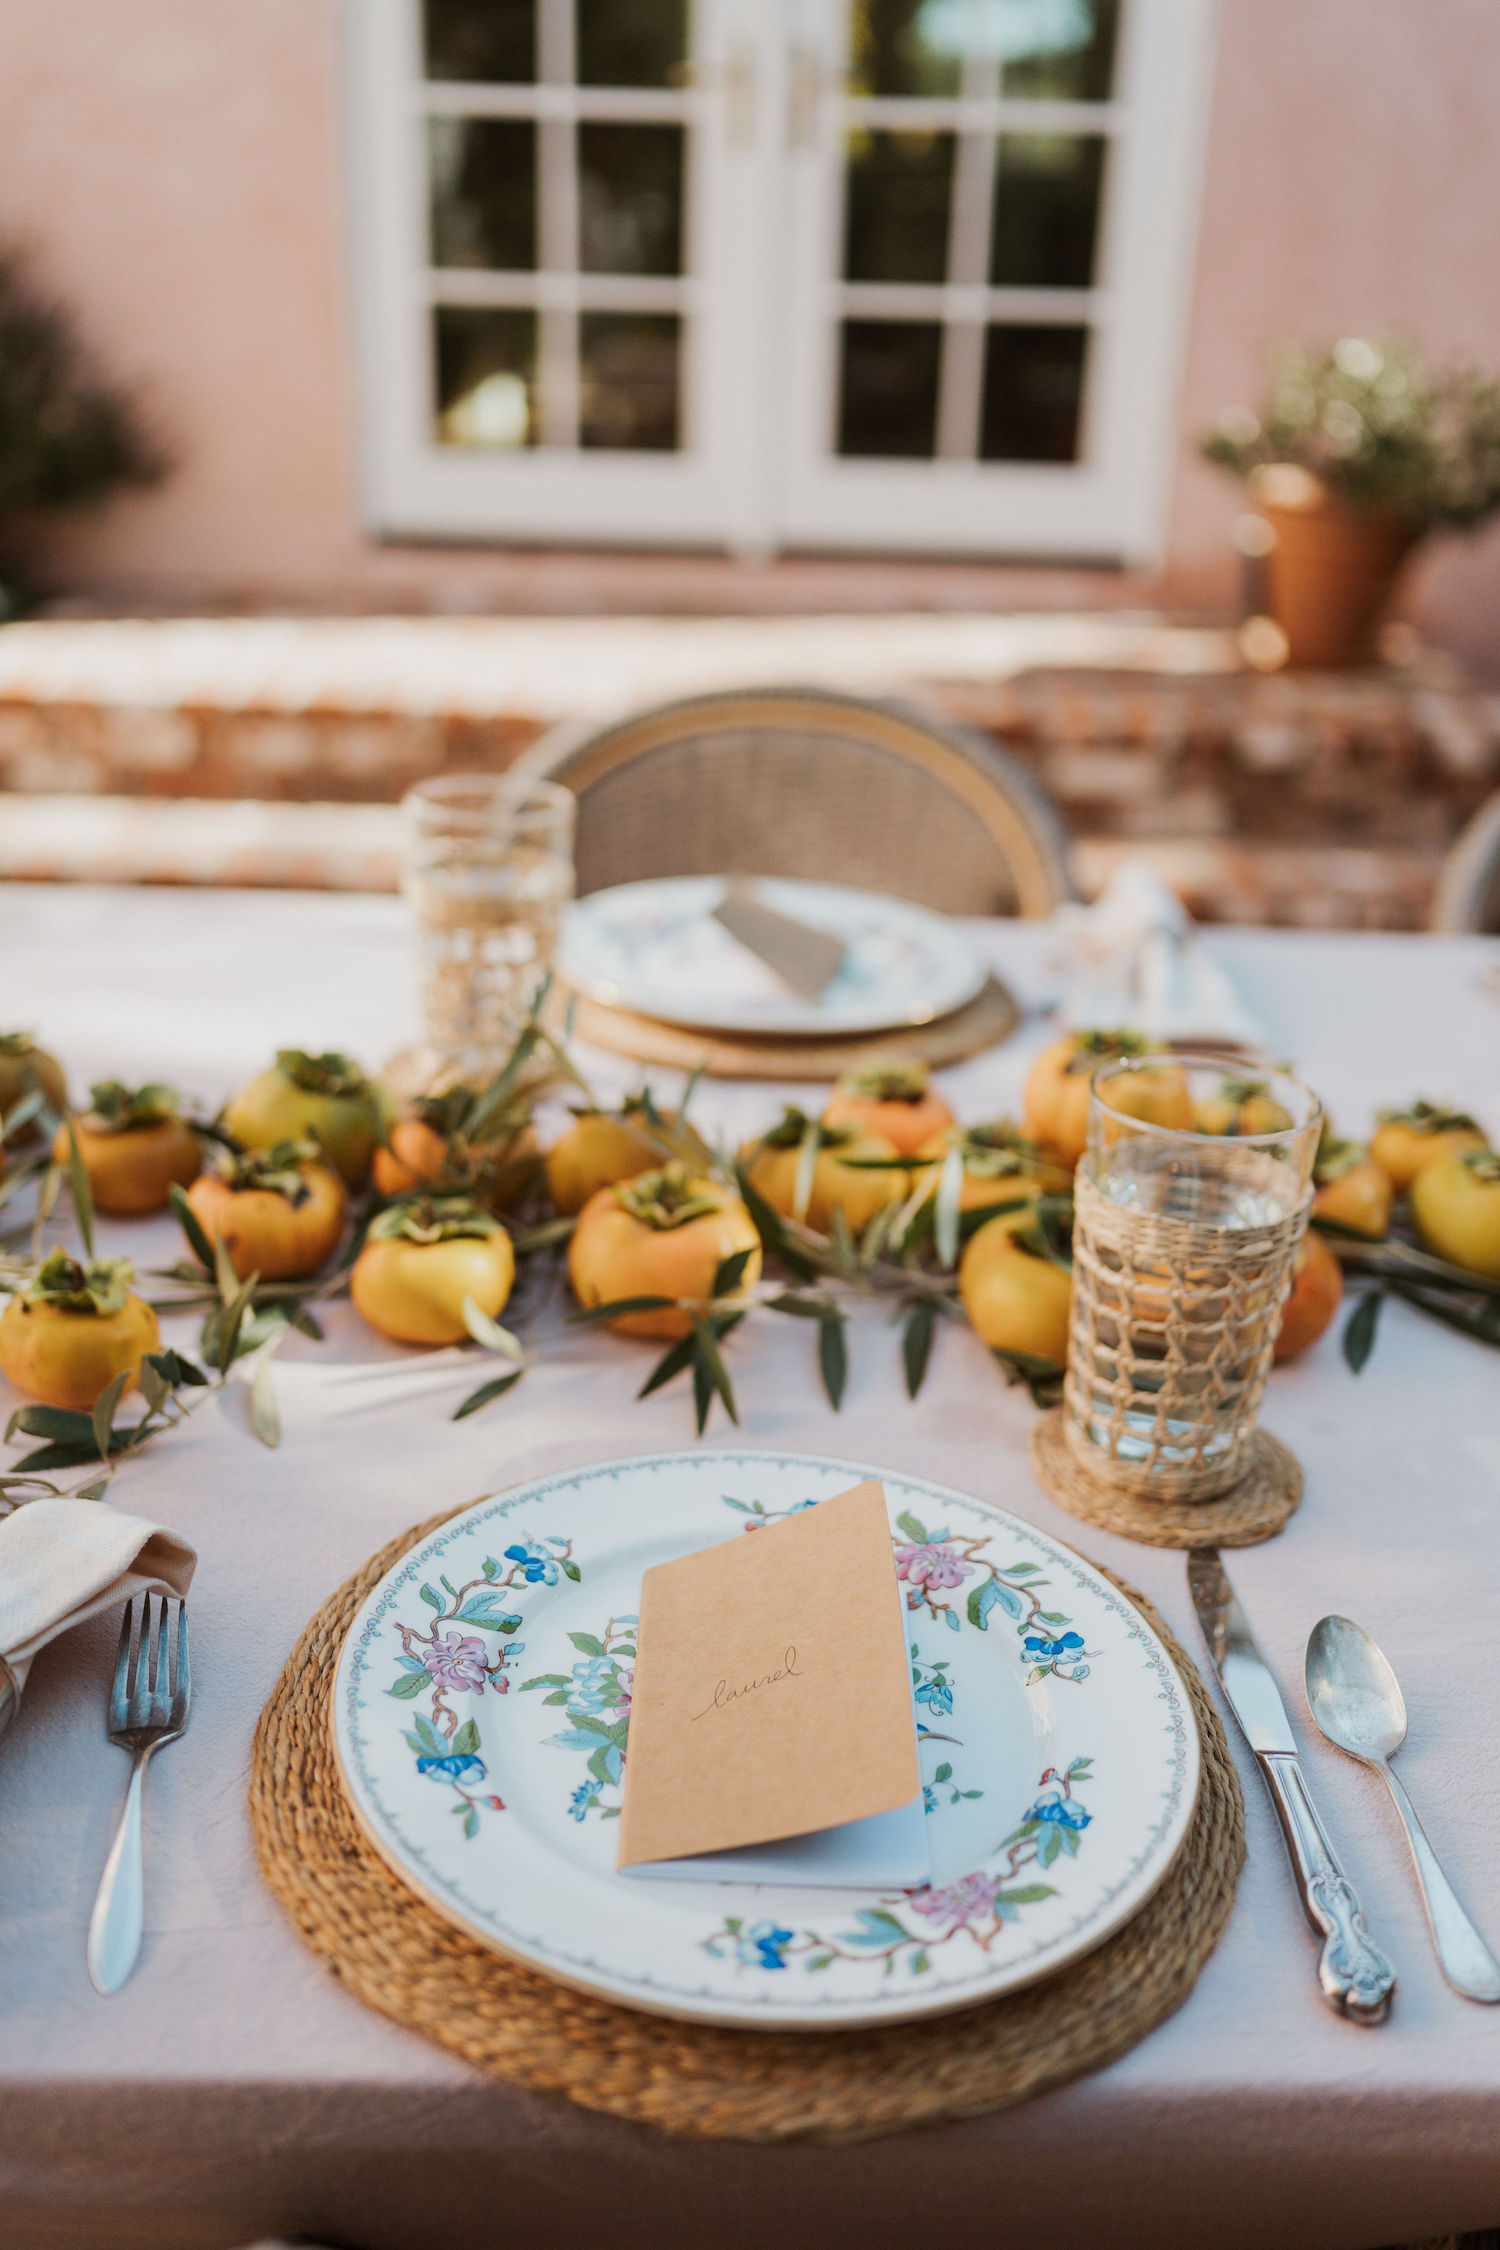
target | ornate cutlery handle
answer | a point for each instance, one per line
(1466, 1961)
(1353, 1974)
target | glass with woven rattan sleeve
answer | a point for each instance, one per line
(489, 871)
(1189, 1204)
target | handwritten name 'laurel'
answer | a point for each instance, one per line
(724, 1694)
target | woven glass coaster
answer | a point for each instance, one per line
(389, 1949)
(1257, 1508)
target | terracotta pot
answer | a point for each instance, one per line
(1331, 574)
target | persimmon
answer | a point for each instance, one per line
(807, 1170)
(661, 1234)
(279, 1212)
(323, 1098)
(24, 1068)
(1351, 1188)
(1016, 1297)
(74, 1328)
(1000, 1165)
(1316, 1294)
(1456, 1205)
(1057, 1091)
(421, 1259)
(893, 1100)
(135, 1145)
(1407, 1139)
(1242, 1106)
(604, 1146)
(452, 1143)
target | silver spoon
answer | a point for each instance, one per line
(1356, 1700)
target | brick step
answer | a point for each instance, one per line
(256, 844)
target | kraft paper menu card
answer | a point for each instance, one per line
(772, 1730)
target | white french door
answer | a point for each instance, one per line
(842, 274)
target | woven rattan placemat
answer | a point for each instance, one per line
(1260, 1505)
(992, 1015)
(390, 1949)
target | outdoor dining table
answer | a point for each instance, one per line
(233, 2090)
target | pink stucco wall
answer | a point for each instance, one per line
(175, 169)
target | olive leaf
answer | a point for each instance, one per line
(79, 1190)
(948, 1210)
(617, 1306)
(489, 1333)
(1359, 1329)
(187, 1219)
(729, 1273)
(916, 1343)
(833, 1358)
(496, 1388)
(103, 1416)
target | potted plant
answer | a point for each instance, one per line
(1359, 451)
(66, 436)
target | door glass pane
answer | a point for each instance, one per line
(907, 46)
(900, 187)
(483, 182)
(630, 198)
(485, 40)
(486, 376)
(888, 388)
(1033, 389)
(1046, 210)
(631, 42)
(628, 373)
(1058, 50)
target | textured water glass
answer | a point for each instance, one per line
(489, 871)
(1183, 1249)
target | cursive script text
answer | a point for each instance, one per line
(724, 1694)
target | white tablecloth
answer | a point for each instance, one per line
(234, 2090)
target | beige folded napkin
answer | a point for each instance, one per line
(64, 1560)
(1134, 961)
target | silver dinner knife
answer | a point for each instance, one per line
(1354, 1975)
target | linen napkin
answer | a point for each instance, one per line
(1134, 961)
(64, 1560)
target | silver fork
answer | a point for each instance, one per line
(148, 1705)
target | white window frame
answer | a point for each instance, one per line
(760, 301)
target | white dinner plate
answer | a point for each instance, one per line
(655, 948)
(482, 1706)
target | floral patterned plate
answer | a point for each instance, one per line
(482, 1714)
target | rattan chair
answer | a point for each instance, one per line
(795, 781)
(1468, 893)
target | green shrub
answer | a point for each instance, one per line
(1378, 427)
(66, 435)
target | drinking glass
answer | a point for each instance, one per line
(1183, 1248)
(489, 871)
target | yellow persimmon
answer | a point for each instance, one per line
(1242, 1106)
(1406, 1140)
(279, 1212)
(1016, 1298)
(662, 1234)
(1456, 1205)
(135, 1146)
(421, 1259)
(604, 1146)
(1351, 1188)
(1057, 1090)
(323, 1098)
(893, 1100)
(807, 1170)
(1316, 1294)
(450, 1144)
(73, 1329)
(24, 1068)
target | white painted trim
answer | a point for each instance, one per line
(760, 299)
